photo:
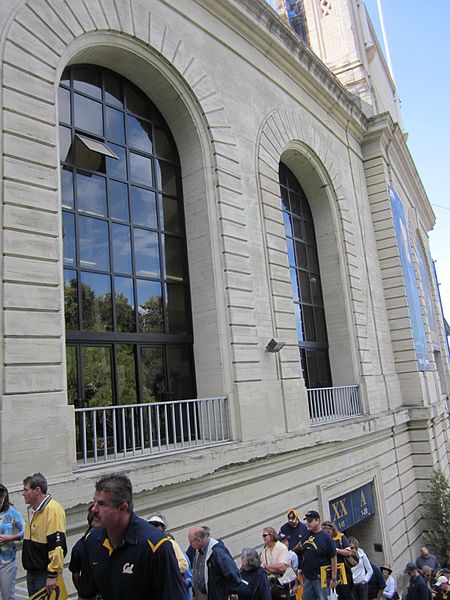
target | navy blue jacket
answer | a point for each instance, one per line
(143, 567)
(376, 582)
(418, 589)
(223, 573)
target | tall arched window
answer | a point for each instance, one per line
(305, 279)
(127, 305)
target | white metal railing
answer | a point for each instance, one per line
(123, 432)
(327, 405)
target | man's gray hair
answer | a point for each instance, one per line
(120, 488)
(252, 558)
(36, 480)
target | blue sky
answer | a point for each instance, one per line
(418, 36)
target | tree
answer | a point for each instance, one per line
(437, 512)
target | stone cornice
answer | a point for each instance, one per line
(382, 129)
(257, 23)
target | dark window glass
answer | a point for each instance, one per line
(124, 302)
(166, 175)
(96, 305)
(97, 376)
(171, 219)
(144, 207)
(71, 300)
(308, 323)
(87, 80)
(126, 374)
(139, 134)
(174, 258)
(295, 203)
(69, 238)
(164, 146)
(115, 129)
(309, 233)
(117, 167)
(91, 194)
(137, 102)
(305, 280)
(150, 306)
(316, 289)
(140, 169)
(313, 263)
(284, 200)
(319, 318)
(312, 368)
(88, 159)
(176, 309)
(64, 105)
(298, 230)
(94, 243)
(301, 255)
(305, 290)
(153, 374)
(67, 188)
(146, 250)
(88, 115)
(72, 375)
(113, 90)
(121, 242)
(181, 384)
(118, 200)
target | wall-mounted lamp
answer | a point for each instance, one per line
(275, 345)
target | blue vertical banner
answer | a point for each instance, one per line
(409, 275)
(426, 287)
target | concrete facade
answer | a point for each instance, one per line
(240, 93)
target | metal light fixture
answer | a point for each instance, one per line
(275, 345)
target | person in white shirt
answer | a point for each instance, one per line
(390, 589)
(361, 573)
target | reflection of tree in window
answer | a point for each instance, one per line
(153, 379)
(126, 281)
(72, 374)
(97, 376)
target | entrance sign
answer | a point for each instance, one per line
(353, 507)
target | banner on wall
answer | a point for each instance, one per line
(353, 507)
(409, 275)
(429, 301)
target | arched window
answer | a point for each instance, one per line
(126, 288)
(305, 279)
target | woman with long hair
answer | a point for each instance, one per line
(11, 530)
(344, 591)
(361, 573)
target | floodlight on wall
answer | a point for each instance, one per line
(275, 345)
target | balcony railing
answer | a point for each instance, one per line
(328, 405)
(115, 433)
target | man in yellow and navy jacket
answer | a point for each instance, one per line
(44, 542)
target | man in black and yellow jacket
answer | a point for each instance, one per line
(44, 542)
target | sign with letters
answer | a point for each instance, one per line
(353, 507)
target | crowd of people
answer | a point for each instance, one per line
(122, 556)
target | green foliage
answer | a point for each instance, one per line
(437, 512)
